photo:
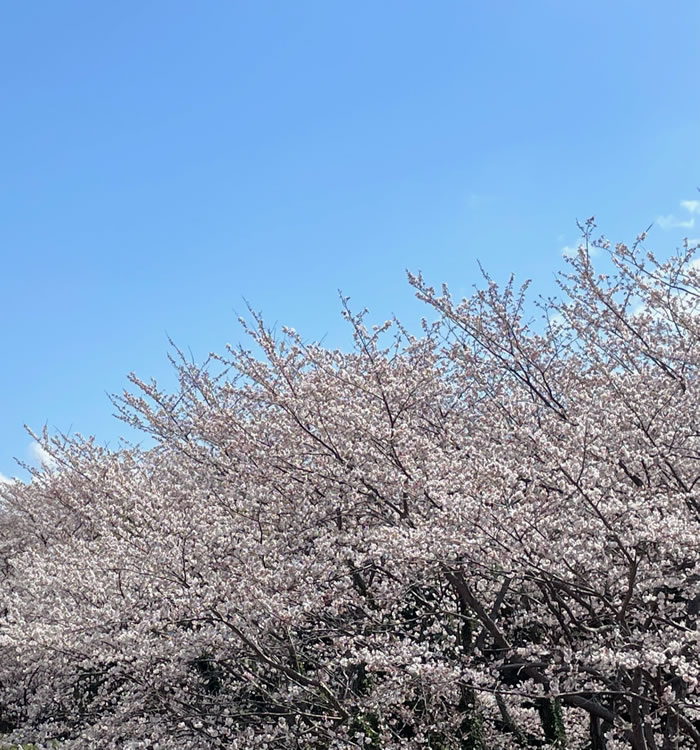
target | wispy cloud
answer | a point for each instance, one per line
(692, 207)
(569, 251)
(41, 456)
(557, 320)
(671, 221)
(477, 200)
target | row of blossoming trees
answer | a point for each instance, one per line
(483, 537)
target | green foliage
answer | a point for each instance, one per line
(368, 725)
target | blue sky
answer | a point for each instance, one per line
(162, 161)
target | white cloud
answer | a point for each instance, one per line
(557, 320)
(692, 207)
(42, 457)
(5, 480)
(673, 222)
(475, 201)
(569, 251)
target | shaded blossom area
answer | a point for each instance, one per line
(485, 536)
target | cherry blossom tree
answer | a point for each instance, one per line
(484, 536)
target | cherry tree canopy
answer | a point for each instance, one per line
(485, 536)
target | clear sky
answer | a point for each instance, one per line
(162, 161)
